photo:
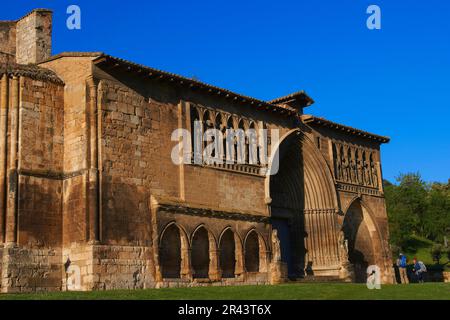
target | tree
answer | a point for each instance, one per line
(436, 253)
(436, 222)
(417, 208)
(405, 205)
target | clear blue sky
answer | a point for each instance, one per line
(394, 81)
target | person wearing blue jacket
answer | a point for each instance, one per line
(402, 264)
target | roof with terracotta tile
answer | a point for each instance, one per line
(92, 54)
(104, 60)
(114, 62)
(110, 62)
(309, 119)
(302, 95)
(30, 70)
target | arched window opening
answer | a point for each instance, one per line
(252, 252)
(241, 143)
(200, 253)
(252, 154)
(230, 144)
(170, 253)
(207, 124)
(196, 135)
(227, 254)
(217, 152)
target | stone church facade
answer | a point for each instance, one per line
(91, 199)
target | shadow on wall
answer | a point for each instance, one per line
(227, 249)
(126, 215)
(170, 252)
(39, 211)
(233, 257)
(360, 248)
(287, 194)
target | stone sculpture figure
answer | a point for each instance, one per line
(278, 269)
(338, 162)
(374, 172)
(359, 165)
(367, 177)
(345, 167)
(343, 247)
(346, 271)
(276, 248)
(353, 174)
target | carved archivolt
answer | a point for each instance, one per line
(355, 165)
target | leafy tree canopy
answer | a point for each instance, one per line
(416, 207)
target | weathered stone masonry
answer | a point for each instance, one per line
(90, 198)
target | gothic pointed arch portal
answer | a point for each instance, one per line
(362, 237)
(303, 206)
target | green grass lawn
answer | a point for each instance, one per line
(312, 291)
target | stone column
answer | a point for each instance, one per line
(239, 256)
(12, 178)
(321, 243)
(3, 134)
(186, 267)
(93, 173)
(214, 272)
(278, 268)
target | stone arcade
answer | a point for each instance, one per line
(87, 183)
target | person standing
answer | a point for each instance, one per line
(402, 264)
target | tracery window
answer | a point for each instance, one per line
(354, 164)
(225, 141)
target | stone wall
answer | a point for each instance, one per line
(136, 162)
(6, 58)
(27, 40)
(141, 128)
(95, 157)
(74, 72)
(31, 270)
(40, 163)
(33, 37)
(32, 257)
(123, 267)
(374, 241)
(107, 267)
(8, 37)
(130, 159)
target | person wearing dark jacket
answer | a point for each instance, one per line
(419, 269)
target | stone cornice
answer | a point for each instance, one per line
(309, 119)
(31, 71)
(351, 188)
(210, 213)
(53, 175)
(317, 211)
